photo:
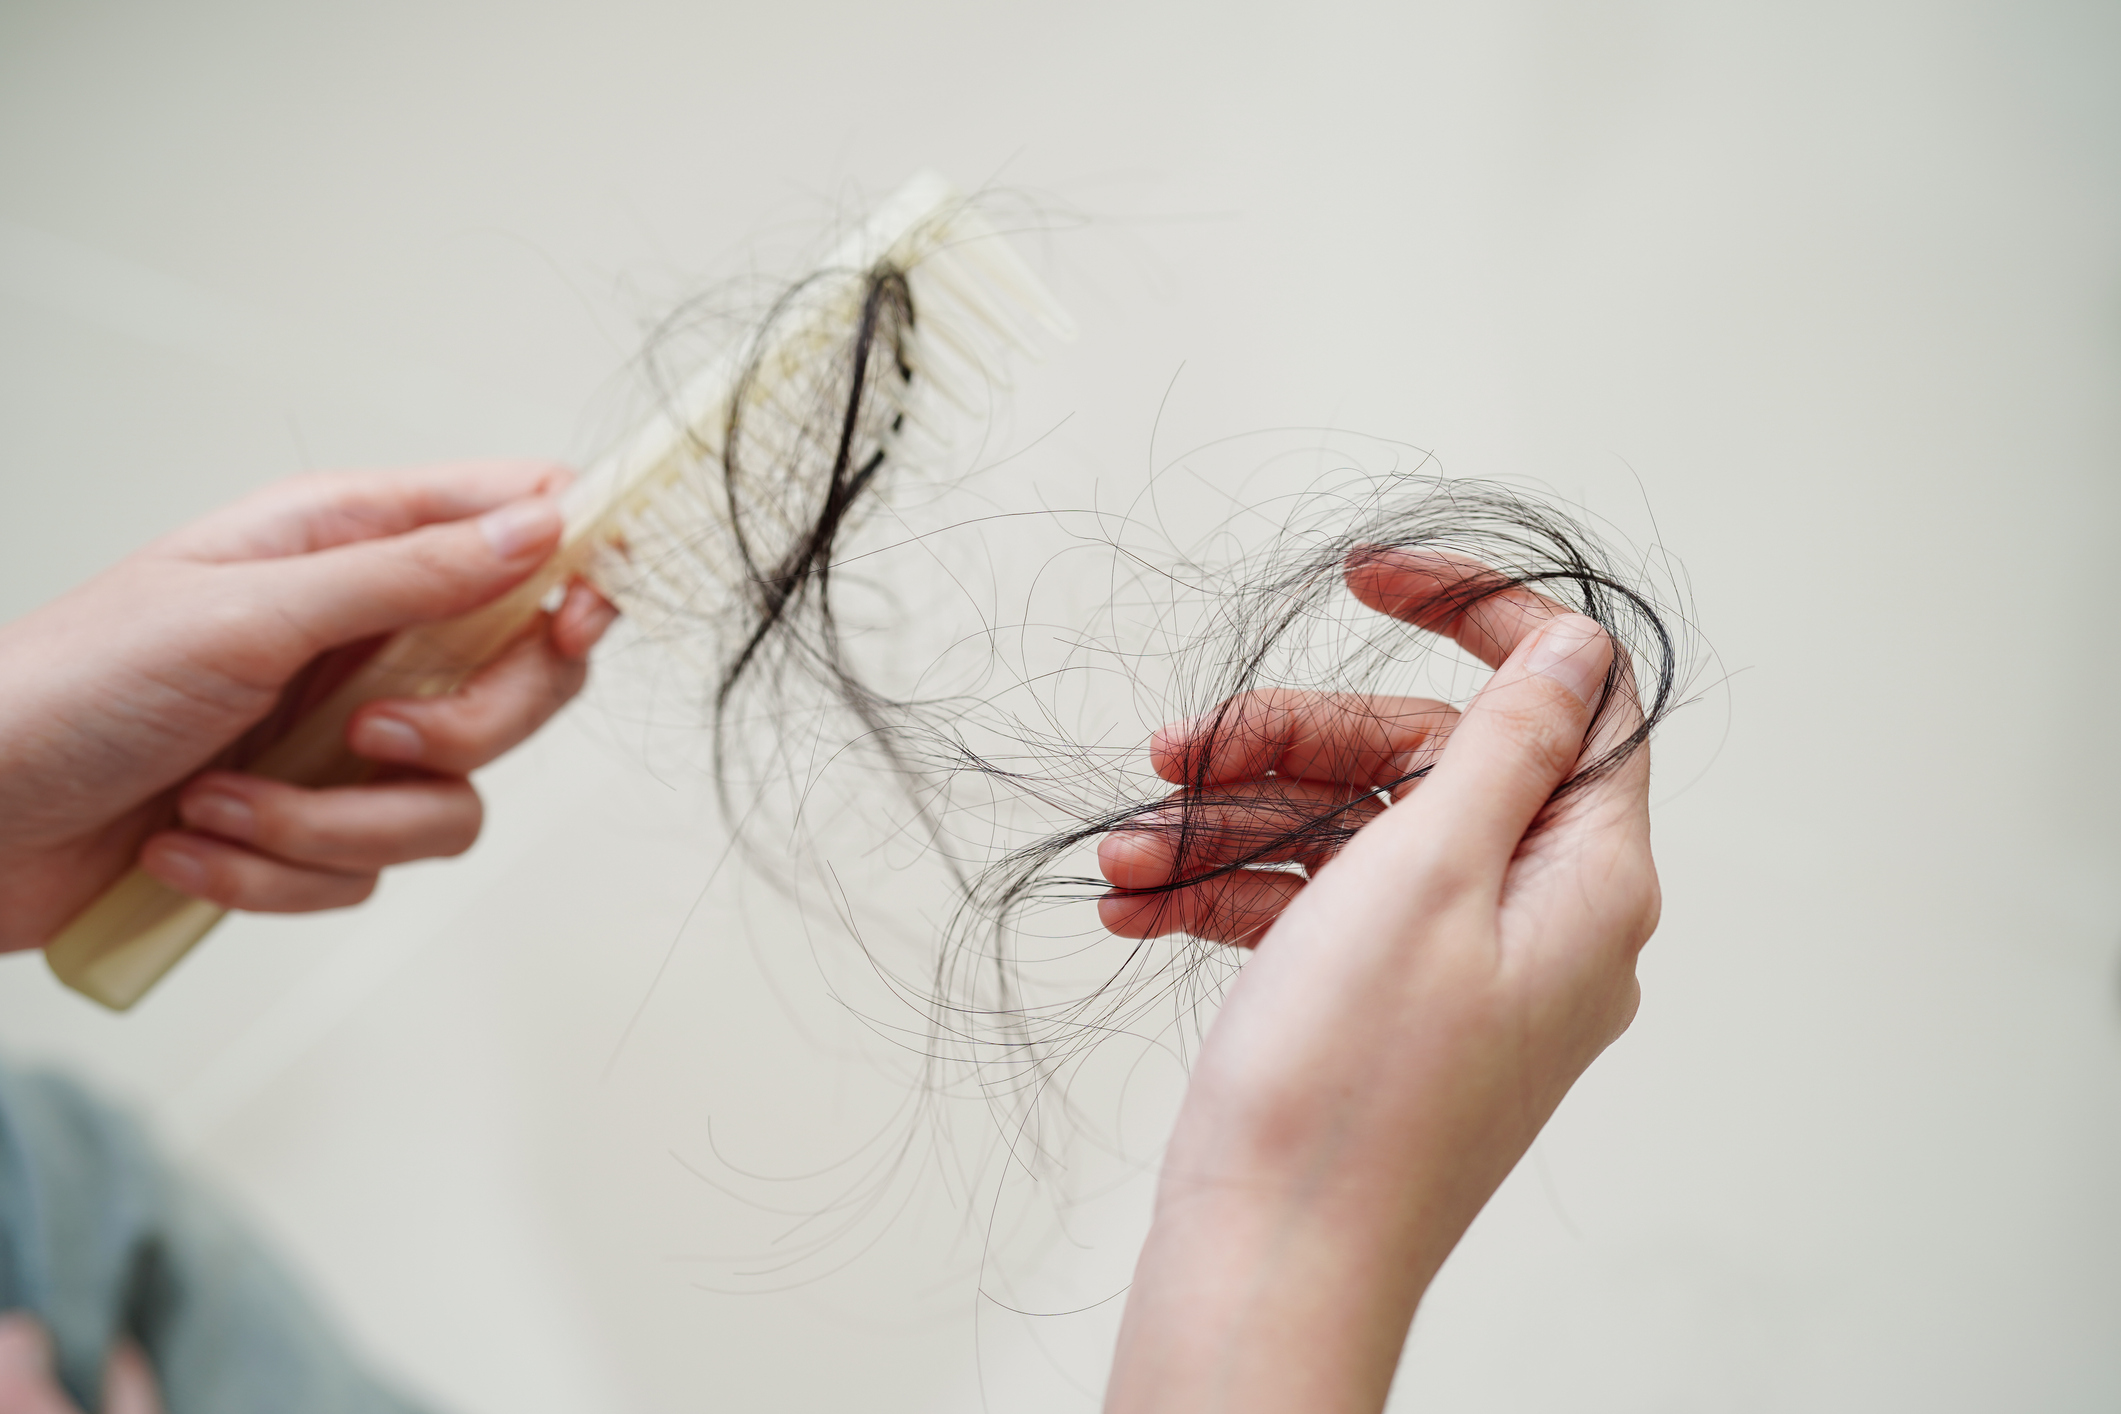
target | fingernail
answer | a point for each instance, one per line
(515, 529)
(1571, 650)
(181, 867)
(220, 812)
(382, 738)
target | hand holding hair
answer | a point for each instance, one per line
(1413, 1012)
(136, 698)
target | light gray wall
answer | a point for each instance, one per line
(1830, 289)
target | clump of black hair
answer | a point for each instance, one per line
(734, 577)
(1024, 984)
(796, 458)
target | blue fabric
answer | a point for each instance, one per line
(100, 1237)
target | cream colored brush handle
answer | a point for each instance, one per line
(121, 945)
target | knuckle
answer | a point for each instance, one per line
(490, 716)
(222, 883)
(1627, 903)
(467, 816)
(1441, 876)
(317, 497)
(253, 638)
(303, 490)
(1138, 916)
(309, 891)
(1620, 1013)
(1446, 881)
(245, 882)
(458, 727)
(1545, 739)
(306, 825)
(286, 825)
(431, 562)
(322, 482)
(1648, 908)
(306, 891)
(567, 679)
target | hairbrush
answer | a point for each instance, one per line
(747, 474)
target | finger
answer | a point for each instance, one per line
(1235, 908)
(27, 1385)
(235, 877)
(456, 734)
(346, 829)
(1457, 597)
(581, 620)
(1478, 607)
(304, 514)
(1329, 736)
(1518, 741)
(1271, 822)
(129, 1381)
(370, 587)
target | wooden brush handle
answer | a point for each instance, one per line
(139, 928)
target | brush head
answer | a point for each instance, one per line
(726, 505)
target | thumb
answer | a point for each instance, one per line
(1518, 740)
(371, 587)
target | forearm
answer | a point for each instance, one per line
(1294, 1237)
(1243, 1303)
(1415, 1013)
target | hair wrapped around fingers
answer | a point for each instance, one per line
(1308, 699)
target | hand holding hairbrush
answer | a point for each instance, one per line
(794, 429)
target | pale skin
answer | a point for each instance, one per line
(127, 694)
(1411, 1015)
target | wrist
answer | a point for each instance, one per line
(1250, 1299)
(1300, 1220)
(1272, 1285)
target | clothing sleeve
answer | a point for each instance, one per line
(100, 1237)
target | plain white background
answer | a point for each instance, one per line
(1831, 290)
